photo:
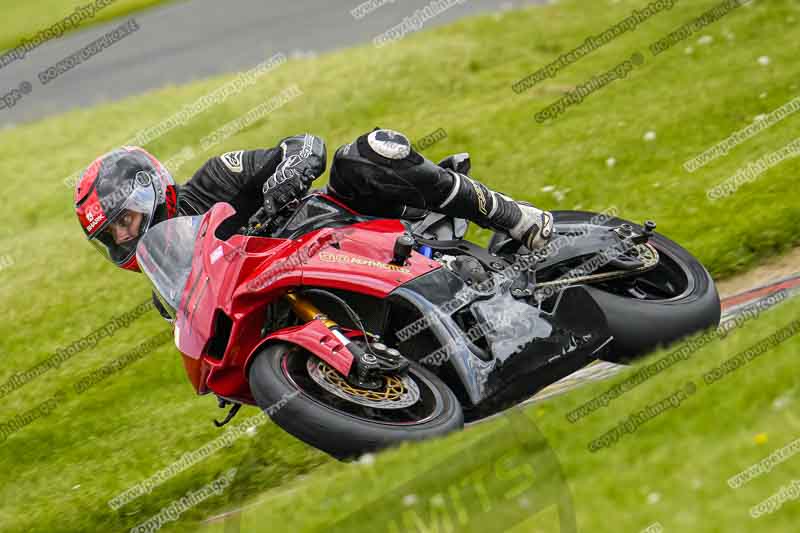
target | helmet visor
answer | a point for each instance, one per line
(118, 236)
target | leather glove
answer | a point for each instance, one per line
(291, 180)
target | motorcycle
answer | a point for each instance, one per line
(355, 333)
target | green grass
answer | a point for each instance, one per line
(23, 20)
(672, 470)
(63, 469)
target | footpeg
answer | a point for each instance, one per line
(222, 404)
(458, 162)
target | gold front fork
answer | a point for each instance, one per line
(308, 311)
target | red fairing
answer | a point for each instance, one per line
(316, 338)
(241, 276)
(206, 289)
(363, 261)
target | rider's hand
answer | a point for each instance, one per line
(291, 180)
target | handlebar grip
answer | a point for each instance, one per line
(258, 217)
(270, 208)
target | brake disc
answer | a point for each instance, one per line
(396, 393)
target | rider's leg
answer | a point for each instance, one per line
(380, 174)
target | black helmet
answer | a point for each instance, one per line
(124, 188)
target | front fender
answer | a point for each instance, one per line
(314, 337)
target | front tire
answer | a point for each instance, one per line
(280, 375)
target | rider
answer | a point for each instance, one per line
(127, 191)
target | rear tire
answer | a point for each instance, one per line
(640, 325)
(311, 413)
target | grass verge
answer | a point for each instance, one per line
(24, 20)
(67, 465)
(673, 469)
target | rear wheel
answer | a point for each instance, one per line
(310, 400)
(673, 300)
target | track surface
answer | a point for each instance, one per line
(196, 39)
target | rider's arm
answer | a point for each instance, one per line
(238, 177)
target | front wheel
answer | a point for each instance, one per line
(311, 401)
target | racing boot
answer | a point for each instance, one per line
(472, 200)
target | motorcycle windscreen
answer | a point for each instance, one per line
(165, 255)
